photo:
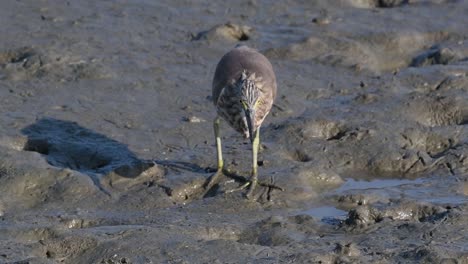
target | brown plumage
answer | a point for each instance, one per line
(226, 94)
(244, 89)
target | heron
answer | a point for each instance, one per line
(244, 89)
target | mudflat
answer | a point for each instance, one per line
(106, 137)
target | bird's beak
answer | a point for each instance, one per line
(250, 116)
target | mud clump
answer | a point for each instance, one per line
(433, 110)
(417, 212)
(432, 142)
(391, 3)
(378, 3)
(348, 249)
(21, 63)
(353, 199)
(228, 31)
(326, 129)
(435, 55)
(363, 216)
(16, 56)
(366, 215)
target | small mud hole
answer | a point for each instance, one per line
(244, 37)
(301, 156)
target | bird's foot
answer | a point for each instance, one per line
(240, 188)
(250, 184)
(216, 178)
(213, 180)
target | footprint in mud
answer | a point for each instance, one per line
(301, 156)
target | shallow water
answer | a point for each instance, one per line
(326, 212)
(352, 184)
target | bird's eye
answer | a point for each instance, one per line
(243, 103)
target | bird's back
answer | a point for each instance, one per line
(237, 60)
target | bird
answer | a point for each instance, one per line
(244, 90)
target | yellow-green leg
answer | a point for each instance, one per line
(253, 182)
(254, 176)
(219, 151)
(253, 179)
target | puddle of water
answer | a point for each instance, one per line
(324, 212)
(352, 184)
(411, 189)
(328, 213)
(448, 200)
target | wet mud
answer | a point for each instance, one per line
(106, 140)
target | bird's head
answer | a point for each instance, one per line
(249, 99)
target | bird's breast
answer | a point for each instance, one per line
(230, 109)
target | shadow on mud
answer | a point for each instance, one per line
(66, 144)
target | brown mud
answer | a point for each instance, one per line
(106, 138)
